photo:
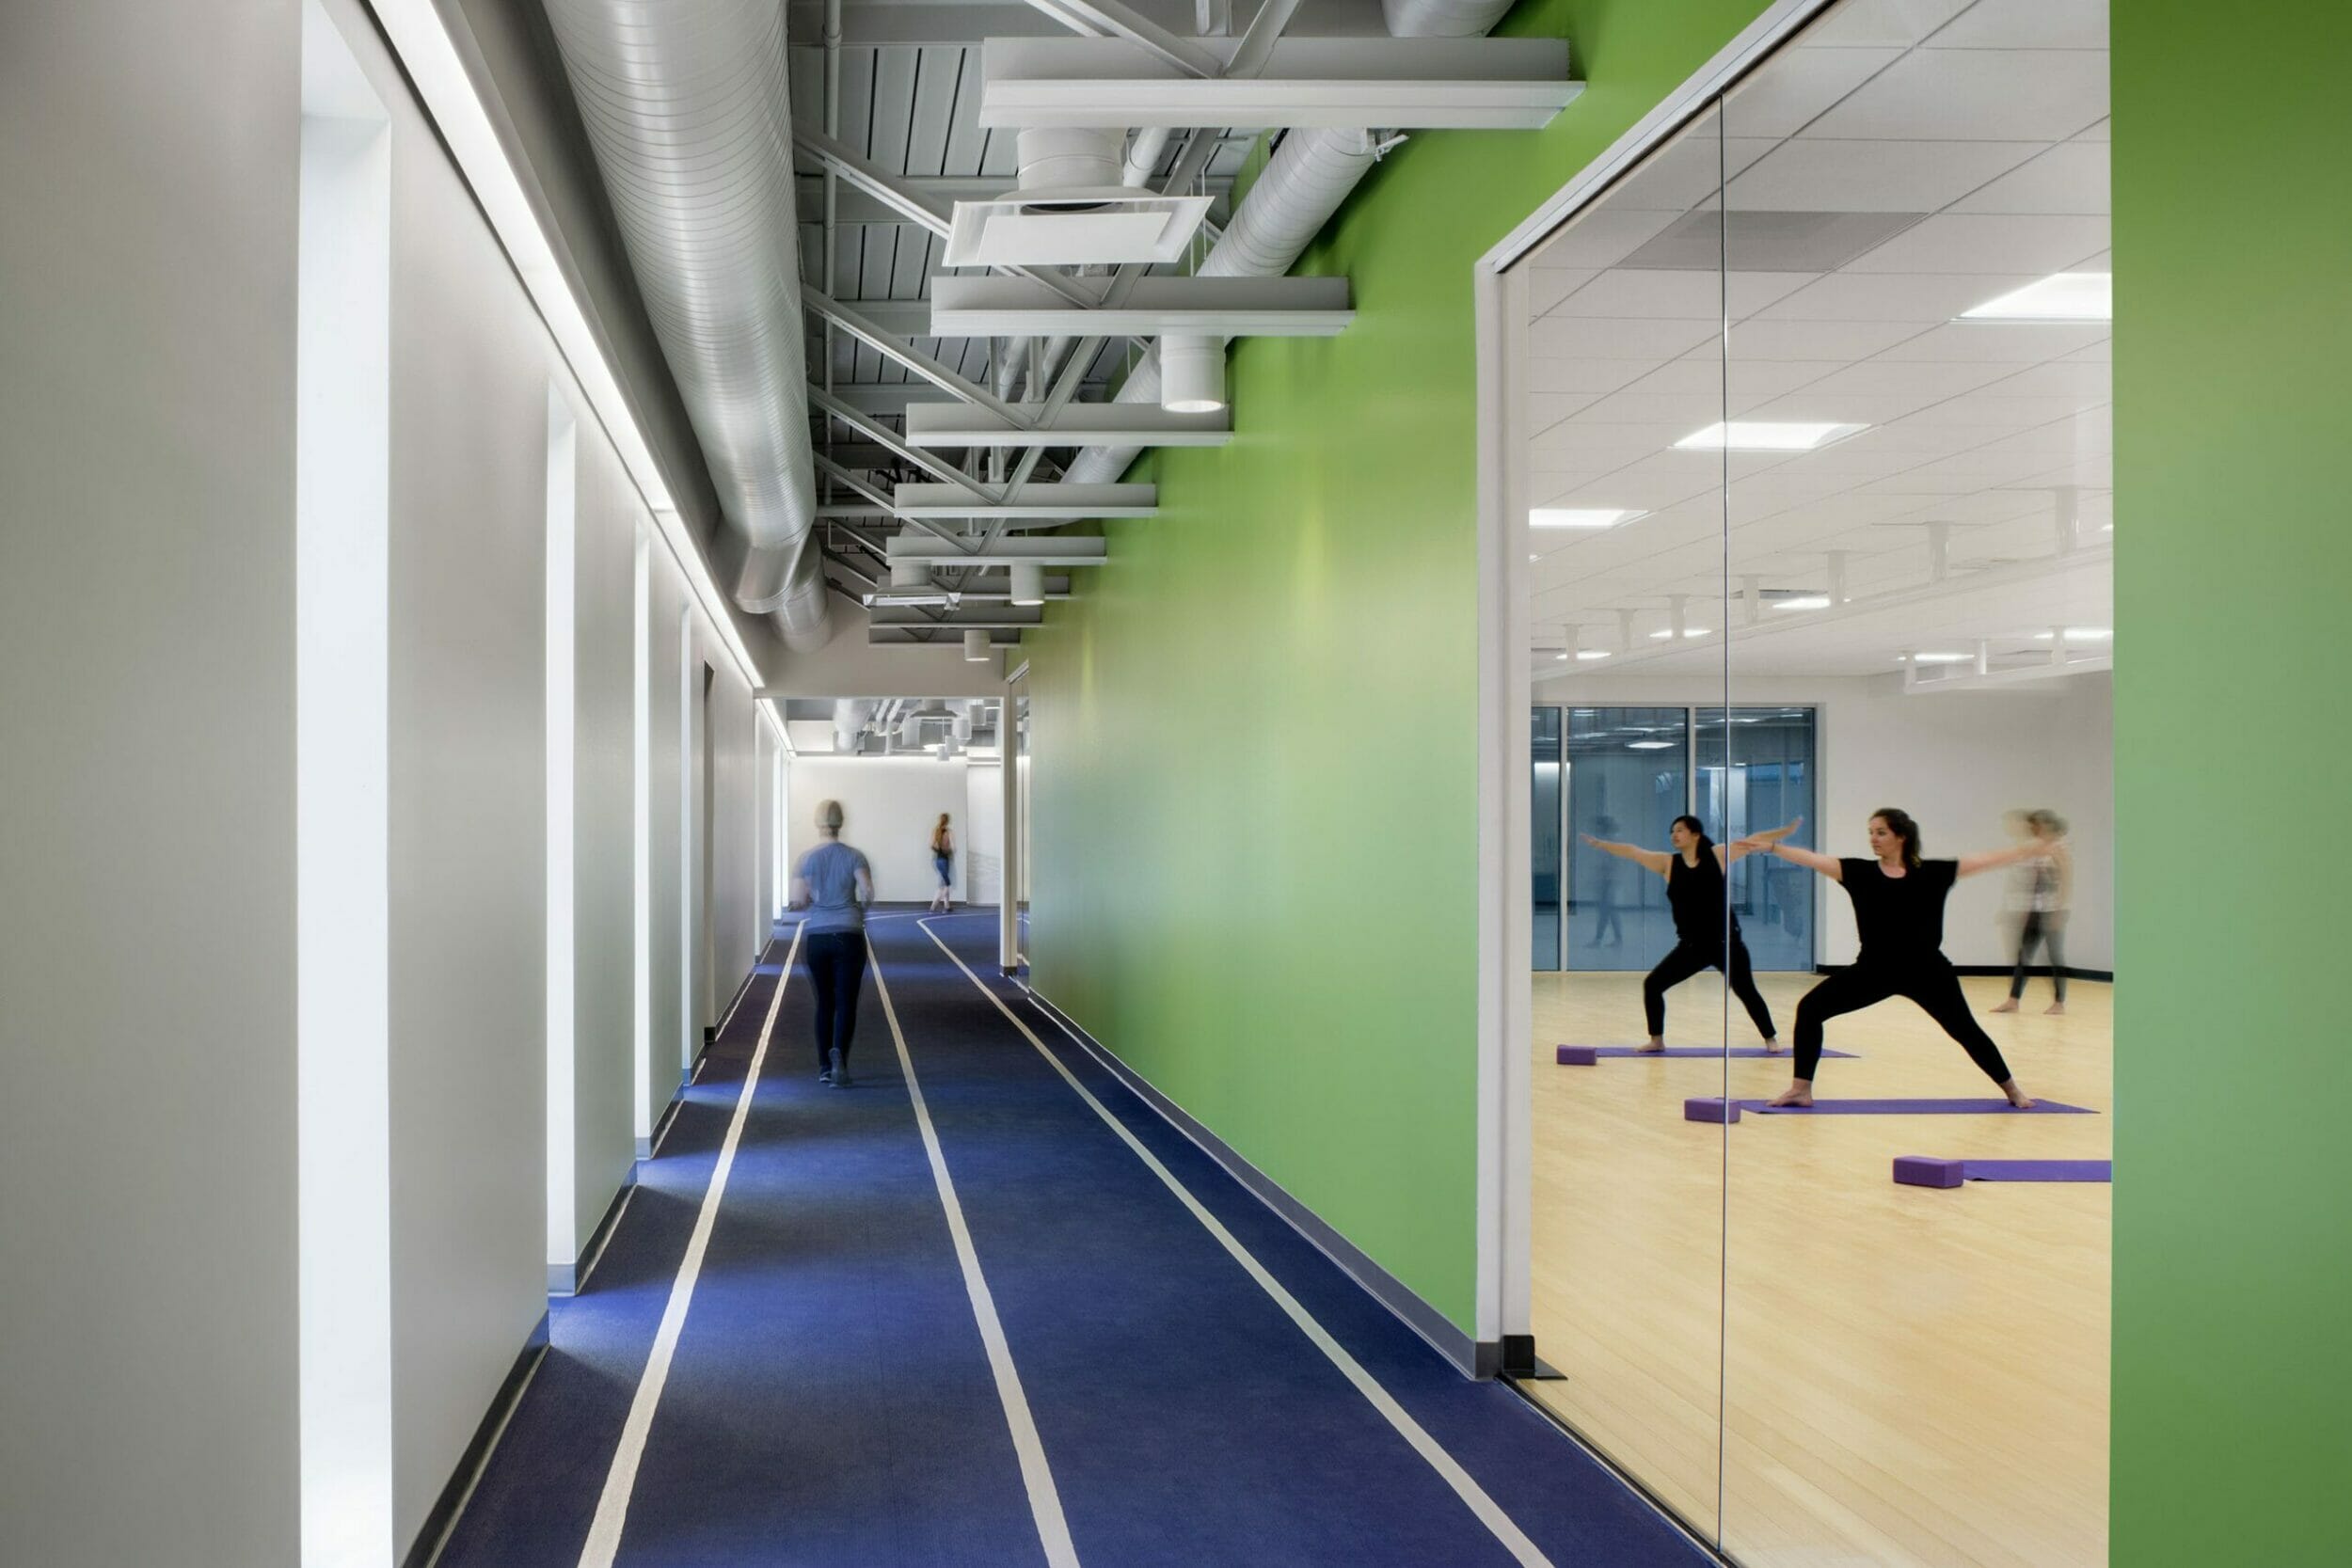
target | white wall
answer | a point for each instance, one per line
(735, 843)
(890, 806)
(147, 1318)
(147, 664)
(610, 514)
(1956, 761)
(981, 834)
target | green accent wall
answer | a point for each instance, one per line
(1255, 865)
(2232, 1400)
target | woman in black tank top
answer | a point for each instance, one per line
(1707, 933)
(1898, 910)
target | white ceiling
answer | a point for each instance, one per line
(1967, 142)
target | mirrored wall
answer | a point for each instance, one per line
(1813, 433)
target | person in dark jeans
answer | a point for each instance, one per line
(2047, 892)
(834, 885)
(1899, 909)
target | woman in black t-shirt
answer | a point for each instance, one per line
(1899, 909)
(1707, 933)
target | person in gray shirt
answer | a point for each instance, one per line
(834, 885)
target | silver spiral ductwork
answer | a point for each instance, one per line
(684, 102)
(1303, 184)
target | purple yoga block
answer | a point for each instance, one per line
(1579, 1055)
(1710, 1110)
(1919, 1170)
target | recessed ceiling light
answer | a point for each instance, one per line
(1803, 601)
(2062, 296)
(1534, 557)
(1766, 435)
(1592, 653)
(1649, 745)
(1582, 516)
(2081, 634)
(1666, 632)
(1561, 655)
(1941, 659)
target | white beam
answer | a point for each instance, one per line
(1206, 307)
(1404, 84)
(1002, 552)
(998, 616)
(1065, 502)
(1079, 424)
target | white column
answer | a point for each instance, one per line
(1009, 901)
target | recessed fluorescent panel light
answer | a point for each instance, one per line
(1582, 516)
(2081, 634)
(1665, 633)
(1941, 659)
(2062, 296)
(1766, 435)
(1592, 653)
(1802, 601)
(1649, 745)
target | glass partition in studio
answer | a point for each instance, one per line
(1624, 355)
(1920, 507)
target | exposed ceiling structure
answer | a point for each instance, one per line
(942, 728)
(1075, 160)
(1905, 163)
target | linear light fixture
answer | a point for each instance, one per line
(1592, 653)
(2080, 634)
(2062, 296)
(1649, 745)
(1766, 435)
(1938, 659)
(1800, 601)
(1582, 516)
(1663, 633)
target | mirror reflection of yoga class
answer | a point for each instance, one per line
(1813, 435)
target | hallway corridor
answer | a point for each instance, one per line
(825, 1392)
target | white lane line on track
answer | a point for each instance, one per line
(1052, 1530)
(1473, 1495)
(620, 1479)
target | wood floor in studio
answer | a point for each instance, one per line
(1904, 1375)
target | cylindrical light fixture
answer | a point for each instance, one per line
(1028, 583)
(1192, 374)
(908, 727)
(910, 574)
(961, 729)
(976, 647)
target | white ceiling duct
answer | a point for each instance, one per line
(1311, 173)
(684, 102)
(849, 715)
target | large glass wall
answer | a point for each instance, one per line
(1816, 457)
(1546, 870)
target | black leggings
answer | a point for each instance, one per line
(837, 966)
(1686, 959)
(1933, 985)
(2050, 933)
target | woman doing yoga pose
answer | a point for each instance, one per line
(1706, 932)
(1899, 908)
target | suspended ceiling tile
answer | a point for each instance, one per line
(2088, 381)
(1568, 338)
(1924, 298)
(2037, 244)
(1797, 84)
(1965, 94)
(2027, 24)
(1863, 23)
(1547, 286)
(1813, 174)
(2071, 177)
(1940, 379)
(1601, 237)
(2014, 342)
(1691, 295)
(1583, 376)
(1687, 173)
(1842, 341)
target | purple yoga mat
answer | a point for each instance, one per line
(2038, 1170)
(1915, 1108)
(1573, 1055)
